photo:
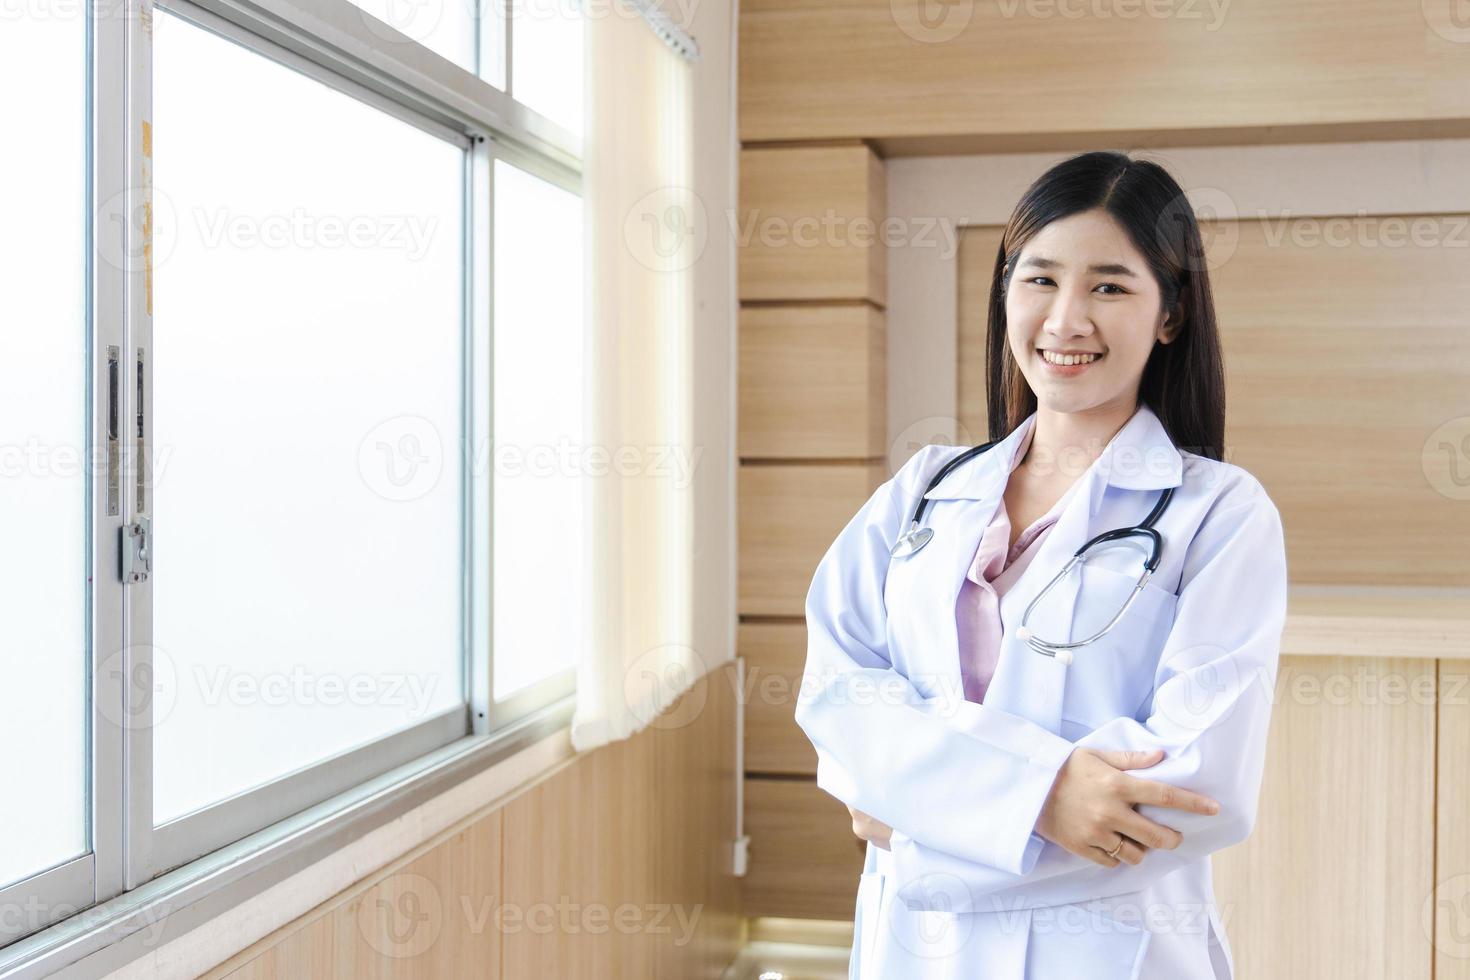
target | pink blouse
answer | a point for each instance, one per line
(995, 569)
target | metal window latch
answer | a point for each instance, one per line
(137, 550)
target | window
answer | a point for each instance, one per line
(43, 440)
(446, 27)
(538, 467)
(312, 422)
(546, 59)
(285, 277)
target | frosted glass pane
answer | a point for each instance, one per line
(43, 442)
(539, 443)
(546, 63)
(492, 41)
(446, 27)
(307, 406)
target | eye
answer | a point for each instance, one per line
(1109, 285)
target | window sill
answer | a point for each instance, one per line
(115, 934)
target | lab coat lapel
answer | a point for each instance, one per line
(963, 505)
(1027, 683)
(1140, 456)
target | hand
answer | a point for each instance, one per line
(1090, 807)
(869, 829)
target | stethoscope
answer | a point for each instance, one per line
(917, 536)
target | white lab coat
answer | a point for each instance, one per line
(968, 889)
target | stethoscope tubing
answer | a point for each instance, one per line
(914, 539)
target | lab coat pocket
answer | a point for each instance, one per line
(1114, 675)
(865, 920)
(1082, 940)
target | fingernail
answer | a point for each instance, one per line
(1214, 807)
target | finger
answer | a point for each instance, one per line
(1131, 852)
(1102, 857)
(1094, 854)
(1147, 832)
(1131, 759)
(1155, 793)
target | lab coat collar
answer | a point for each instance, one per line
(1140, 456)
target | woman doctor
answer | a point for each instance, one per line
(1026, 817)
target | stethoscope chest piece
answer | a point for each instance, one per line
(911, 540)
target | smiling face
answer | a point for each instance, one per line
(1081, 288)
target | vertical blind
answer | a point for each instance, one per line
(642, 239)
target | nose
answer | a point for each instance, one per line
(1068, 317)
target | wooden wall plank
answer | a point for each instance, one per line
(875, 69)
(789, 516)
(813, 382)
(1333, 879)
(1450, 911)
(775, 656)
(694, 774)
(976, 259)
(617, 865)
(810, 220)
(804, 859)
(1344, 354)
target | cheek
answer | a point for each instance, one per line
(1022, 319)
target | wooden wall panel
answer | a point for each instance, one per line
(813, 382)
(804, 859)
(1332, 881)
(1344, 353)
(616, 865)
(810, 223)
(775, 655)
(975, 259)
(430, 917)
(694, 777)
(598, 864)
(789, 516)
(1446, 917)
(909, 74)
(1347, 347)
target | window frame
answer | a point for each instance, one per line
(103, 909)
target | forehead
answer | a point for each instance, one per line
(1091, 236)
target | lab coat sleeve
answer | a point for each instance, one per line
(882, 746)
(1210, 713)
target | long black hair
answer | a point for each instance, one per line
(1184, 380)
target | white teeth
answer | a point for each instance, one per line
(1066, 359)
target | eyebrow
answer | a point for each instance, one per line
(1104, 268)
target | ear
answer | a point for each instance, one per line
(1168, 331)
